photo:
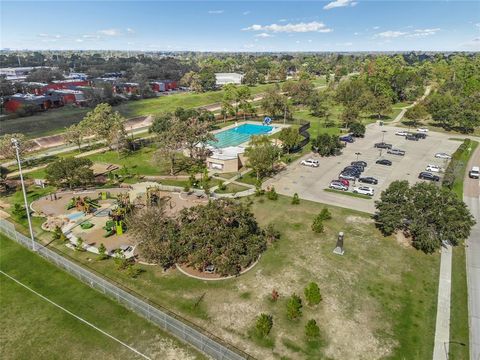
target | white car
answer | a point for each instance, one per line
(337, 185)
(364, 190)
(310, 162)
(433, 168)
(424, 130)
(401, 133)
(442, 156)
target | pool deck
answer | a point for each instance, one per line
(276, 128)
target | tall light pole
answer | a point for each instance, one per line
(16, 145)
(383, 135)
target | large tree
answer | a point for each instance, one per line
(262, 155)
(429, 214)
(327, 145)
(7, 150)
(290, 138)
(105, 124)
(275, 104)
(70, 172)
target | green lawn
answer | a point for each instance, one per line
(232, 188)
(32, 328)
(381, 289)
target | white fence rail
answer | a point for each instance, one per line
(180, 328)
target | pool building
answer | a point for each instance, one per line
(227, 153)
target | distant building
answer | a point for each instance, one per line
(225, 160)
(163, 85)
(228, 78)
(19, 73)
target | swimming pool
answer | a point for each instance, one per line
(76, 215)
(239, 135)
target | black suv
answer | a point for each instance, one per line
(412, 137)
(354, 167)
(384, 162)
(368, 180)
(361, 163)
(421, 135)
(428, 176)
(383, 145)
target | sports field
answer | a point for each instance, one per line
(33, 328)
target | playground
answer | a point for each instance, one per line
(98, 216)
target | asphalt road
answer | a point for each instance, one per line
(471, 196)
(309, 183)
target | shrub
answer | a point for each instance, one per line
(19, 211)
(271, 234)
(258, 188)
(317, 225)
(295, 199)
(325, 214)
(222, 186)
(312, 294)
(294, 307)
(102, 252)
(57, 233)
(79, 245)
(263, 324)
(272, 194)
(312, 331)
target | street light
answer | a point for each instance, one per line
(16, 145)
(383, 135)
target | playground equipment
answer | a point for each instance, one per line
(267, 121)
(85, 204)
(154, 197)
(117, 225)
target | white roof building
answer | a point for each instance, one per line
(228, 78)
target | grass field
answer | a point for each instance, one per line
(231, 188)
(381, 288)
(32, 328)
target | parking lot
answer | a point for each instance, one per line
(310, 183)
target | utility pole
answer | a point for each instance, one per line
(16, 145)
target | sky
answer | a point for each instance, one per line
(337, 25)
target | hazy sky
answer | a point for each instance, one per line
(340, 25)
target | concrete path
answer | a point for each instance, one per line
(471, 193)
(442, 326)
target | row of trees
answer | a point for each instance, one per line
(188, 238)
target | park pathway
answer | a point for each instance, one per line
(442, 326)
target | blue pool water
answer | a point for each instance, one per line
(75, 215)
(239, 135)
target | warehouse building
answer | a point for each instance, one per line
(228, 78)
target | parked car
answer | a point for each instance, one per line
(354, 167)
(396, 152)
(310, 162)
(364, 190)
(401, 133)
(433, 168)
(368, 180)
(428, 176)
(411, 137)
(338, 186)
(474, 173)
(384, 162)
(344, 182)
(347, 138)
(353, 172)
(423, 130)
(347, 176)
(442, 155)
(383, 145)
(421, 135)
(362, 163)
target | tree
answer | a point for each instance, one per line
(327, 145)
(229, 95)
(325, 214)
(75, 135)
(262, 155)
(7, 150)
(70, 172)
(416, 113)
(105, 124)
(243, 98)
(294, 307)
(312, 331)
(44, 75)
(57, 233)
(317, 225)
(295, 199)
(379, 105)
(207, 79)
(312, 294)
(263, 324)
(430, 215)
(275, 104)
(290, 138)
(318, 104)
(251, 77)
(102, 252)
(357, 129)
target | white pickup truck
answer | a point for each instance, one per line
(474, 173)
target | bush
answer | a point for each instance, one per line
(317, 225)
(79, 245)
(325, 214)
(222, 186)
(272, 194)
(102, 252)
(295, 199)
(452, 171)
(263, 324)
(19, 212)
(258, 188)
(271, 234)
(312, 294)
(312, 331)
(57, 233)
(294, 307)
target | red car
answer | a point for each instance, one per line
(344, 182)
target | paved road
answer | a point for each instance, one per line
(471, 193)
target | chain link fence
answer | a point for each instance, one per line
(173, 324)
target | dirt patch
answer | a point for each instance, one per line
(359, 220)
(402, 239)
